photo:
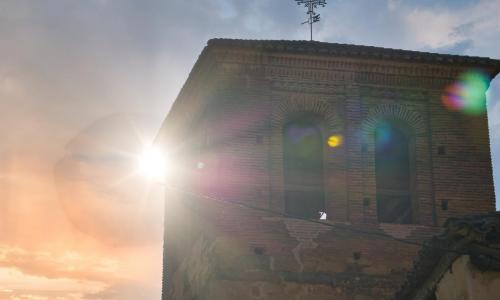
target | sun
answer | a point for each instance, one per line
(153, 164)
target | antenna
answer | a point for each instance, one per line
(311, 5)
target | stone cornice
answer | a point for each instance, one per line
(331, 64)
(345, 52)
(310, 77)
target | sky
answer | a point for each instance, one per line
(84, 86)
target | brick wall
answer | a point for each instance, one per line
(238, 137)
(252, 102)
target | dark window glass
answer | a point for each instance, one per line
(392, 168)
(303, 169)
(444, 204)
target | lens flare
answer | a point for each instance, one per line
(384, 134)
(467, 94)
(335, 140)
(153, 164)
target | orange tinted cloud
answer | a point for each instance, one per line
(70, 265)
(75, 228)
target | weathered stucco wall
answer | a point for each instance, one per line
(465, 282)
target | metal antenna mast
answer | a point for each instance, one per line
(311, 5)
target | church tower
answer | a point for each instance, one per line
(309, 170)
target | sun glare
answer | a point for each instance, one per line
(153, 164)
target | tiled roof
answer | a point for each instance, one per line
(348, 50)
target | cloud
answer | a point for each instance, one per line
(420, 22)
(18, 284)
(125, 291)
(415, 25)
(457, 48)
(67, 274)
(70, 265)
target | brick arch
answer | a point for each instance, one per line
(284, 109)
(286, 106)
(414, 124)
(393, 112)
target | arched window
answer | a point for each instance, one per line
(303, 168)
(393, 174)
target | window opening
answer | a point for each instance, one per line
(303, 169)
(393, 177)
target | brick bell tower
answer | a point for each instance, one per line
(309, 170)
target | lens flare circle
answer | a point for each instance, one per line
(467, 94)
(335, 140)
